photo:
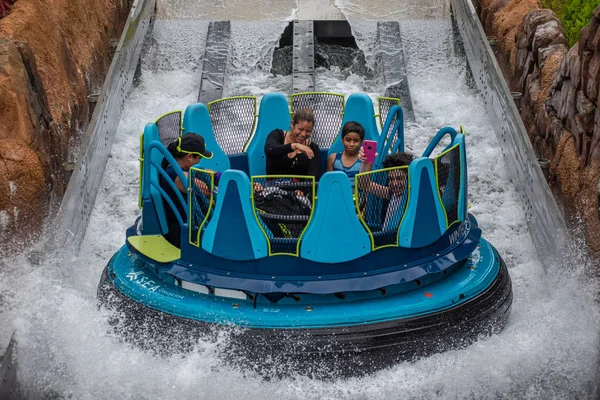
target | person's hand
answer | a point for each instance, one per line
(299, 193)
(258, 187)
(363, 158)
(300, 148)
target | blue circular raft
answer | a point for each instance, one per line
(366, 330)
(308, 274)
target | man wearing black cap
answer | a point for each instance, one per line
(187, 151)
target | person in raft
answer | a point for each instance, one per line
(187, 151)
(292, 153)
(351, 160)
(394, 192)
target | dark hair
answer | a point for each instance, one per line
(172, 147)
(189, 143)
(397, 160)
(304, 115)
(352, 126)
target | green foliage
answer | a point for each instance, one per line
(574, 15)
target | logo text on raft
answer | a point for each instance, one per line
(139, 278)
(458, 233)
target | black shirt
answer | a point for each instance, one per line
(278, 162)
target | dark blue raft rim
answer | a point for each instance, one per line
(288, 274)
(440, 288)
(321, 352)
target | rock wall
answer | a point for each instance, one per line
(53, 53)
(560, 100)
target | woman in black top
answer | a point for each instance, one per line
(292, 153)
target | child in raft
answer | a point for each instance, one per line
(352, 160)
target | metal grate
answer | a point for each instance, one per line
(328, 109)
(448, 172)
(385, 105)
(283, 207)
(382, 197)
(233, 120)
(169, 127)
(202, 187)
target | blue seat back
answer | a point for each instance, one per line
(359, 108)
(273, 113)
(196, 119)
(233, 232)
(334, 233)
(424, 221)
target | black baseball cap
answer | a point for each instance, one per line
(192, 143)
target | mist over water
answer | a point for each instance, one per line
(549, 348)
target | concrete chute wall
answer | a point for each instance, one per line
(545, 222)
(78, 202)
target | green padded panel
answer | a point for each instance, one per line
(155, 247)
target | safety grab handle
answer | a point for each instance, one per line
(436, 140)
(385, 140)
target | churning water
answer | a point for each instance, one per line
(549, 348)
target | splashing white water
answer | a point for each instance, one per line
(548, 349)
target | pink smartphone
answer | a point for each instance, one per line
(370, 149)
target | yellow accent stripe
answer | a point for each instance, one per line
(169, 113)
(379, 99)
(321, 93)
(312, 207)
(155, 247)
(141, 159)
(437, 183)
(190, 208)
(317, 93)
(255, 114)
(360, 216)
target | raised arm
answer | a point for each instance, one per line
(274, 145)
(364, 181)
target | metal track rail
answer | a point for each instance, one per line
(214, 66)
(303, 63)
(392, 66)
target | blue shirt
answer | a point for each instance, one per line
(351, 171)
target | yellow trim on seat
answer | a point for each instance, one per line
(245, 146)
(190, 204)
(155, 247)
(141, 159)
(437, 183)
(378, 115)
(254, 179)
(357, 201)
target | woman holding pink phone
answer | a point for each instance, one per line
(355, 158)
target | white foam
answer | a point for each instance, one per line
(549, 348)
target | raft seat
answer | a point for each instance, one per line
(155, 247)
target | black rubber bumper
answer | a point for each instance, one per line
(336, 351)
